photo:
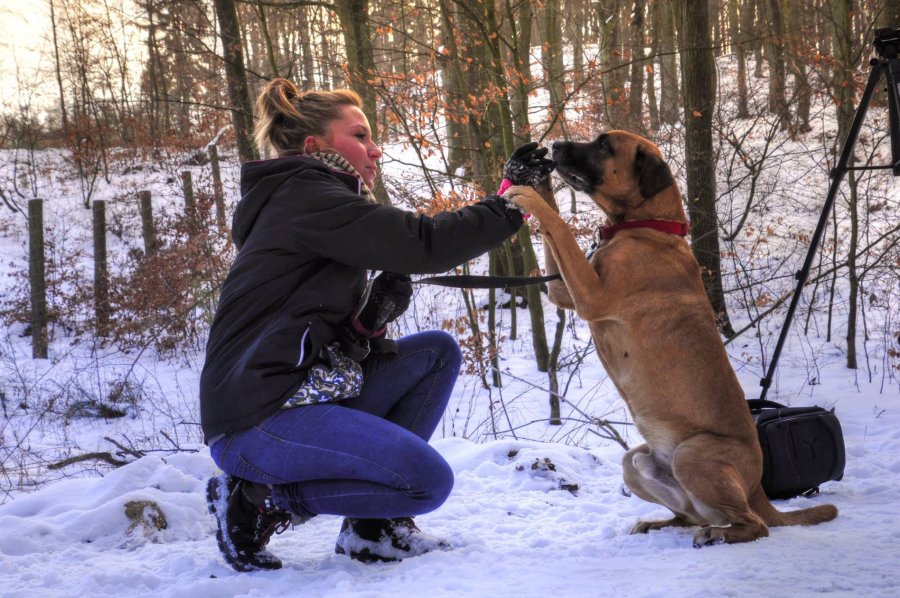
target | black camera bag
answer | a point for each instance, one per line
(802, 447)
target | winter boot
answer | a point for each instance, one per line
(246, 520)
(385, 540)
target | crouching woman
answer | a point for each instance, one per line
(305, 406)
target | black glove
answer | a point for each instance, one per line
(527, 165)
(384, 301)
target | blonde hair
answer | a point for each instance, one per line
(286, 116)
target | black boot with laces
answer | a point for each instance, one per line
(385, 540)
(246, 520)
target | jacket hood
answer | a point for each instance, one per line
(259, 180)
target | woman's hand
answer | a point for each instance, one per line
(528, 165)
(388, 297)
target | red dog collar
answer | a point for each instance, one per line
(665, 226)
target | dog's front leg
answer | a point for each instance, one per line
(558, 292)
(584, 285)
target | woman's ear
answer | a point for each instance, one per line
(310, 145)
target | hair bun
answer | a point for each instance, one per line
(285, 87)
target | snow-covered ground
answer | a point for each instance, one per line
(516, 528)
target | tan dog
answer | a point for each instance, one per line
(656, 334)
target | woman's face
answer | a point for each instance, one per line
(350, 136)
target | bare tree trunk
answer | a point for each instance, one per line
(490, 124)
(552, 58)
(844, 98)
(354, 17)
(668, 69)
(652, 102)
(714, 8)
(613, 78)
(182, 76)
(699, 85)
(740, 19)
(576, 12)
(520, 37)
(756, 8)
(636, 91)
(802, 96)
(218, 191)
(502, 137)
(238, 92)
(502, 144)
(553, 368)
(158, 84)
(153, 67)
(260, 10)
(308, 81)
(331, 61)
(58, 70)
(775, 54)
(458, 123)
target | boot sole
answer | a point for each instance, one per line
(366, 556)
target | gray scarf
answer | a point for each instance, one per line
(337, 162)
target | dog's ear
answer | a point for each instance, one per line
(652, 173)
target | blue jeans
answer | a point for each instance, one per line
(364, 457)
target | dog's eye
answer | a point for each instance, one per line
(604, 144)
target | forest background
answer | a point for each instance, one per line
(749, 100)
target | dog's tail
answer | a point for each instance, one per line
(773, 517)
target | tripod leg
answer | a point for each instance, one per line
(893, 75)
(837, 176)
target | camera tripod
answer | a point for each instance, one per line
(886, 47)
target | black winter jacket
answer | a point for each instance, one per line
(305, 238)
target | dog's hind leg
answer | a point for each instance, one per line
(642, 527)
(718, 492)
(652, 479)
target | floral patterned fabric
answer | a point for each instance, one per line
(335, 378)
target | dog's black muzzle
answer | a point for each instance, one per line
(572, 164)
(560, 149)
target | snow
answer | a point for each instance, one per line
(536, 510)
(515, 532)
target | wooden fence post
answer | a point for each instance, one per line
(101, 272)
(218, 193)
(190, 209)
(36, 279)
(148, 230)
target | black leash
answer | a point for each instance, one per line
(470, 281)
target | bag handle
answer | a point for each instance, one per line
(763, 403)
